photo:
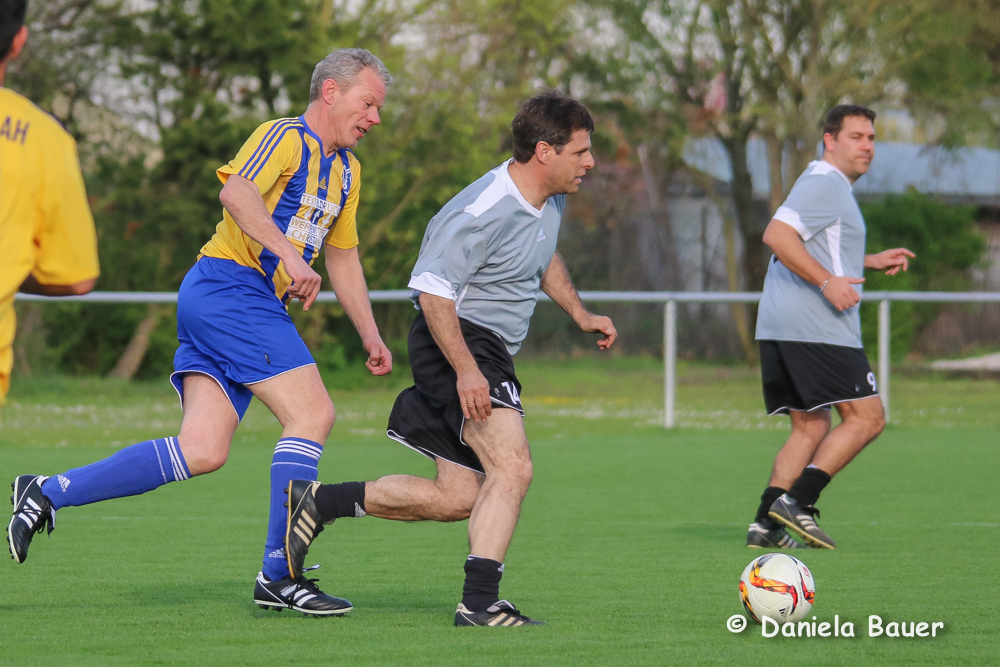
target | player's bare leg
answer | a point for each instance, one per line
(208, 425)
(863, 420)
(502, 447)
(303, 408)
(808, 431)
(300, 402)
(448, 497)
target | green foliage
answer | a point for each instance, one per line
(947, 245)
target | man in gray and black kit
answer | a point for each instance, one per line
(484, 257)
(809, 331)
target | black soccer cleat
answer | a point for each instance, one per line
(799, 519)
(501, 614)
(32, 513)
(298, 594)
(759, 537)
(303, 525)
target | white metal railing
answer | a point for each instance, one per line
(669, 299)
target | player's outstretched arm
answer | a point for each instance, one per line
(473, 388)
(893, 260)
(348, 280)
(788, 247)
(32, 286)
(243, 201)
(558, 285)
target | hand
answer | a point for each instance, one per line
(894, 260)
(474, 394)
(840, 293)
(379, 358)
(305, 282)
(599, 324)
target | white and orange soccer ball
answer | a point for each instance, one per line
(779, 587)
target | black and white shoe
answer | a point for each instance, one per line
(759, 537)
(501, 614)
(799, 519)
(298, 594)
(32, 513)
(304, 523)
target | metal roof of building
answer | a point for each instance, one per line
(969, 174)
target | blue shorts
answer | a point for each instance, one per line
(232, 327)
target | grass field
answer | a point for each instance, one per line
(630, 544)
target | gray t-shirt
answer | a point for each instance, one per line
(486, 250)
(822, 209)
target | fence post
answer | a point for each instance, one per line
(669, 361)
(883, 354)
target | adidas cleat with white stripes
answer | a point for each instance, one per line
(759, 537)
(501, 614)
(297, 594)
(32, 512)
(799, 519)
(303, 525)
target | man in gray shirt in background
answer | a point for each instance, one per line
(809, 331)
(484, 257)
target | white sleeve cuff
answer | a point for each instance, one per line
(428, 283)
(791, 218)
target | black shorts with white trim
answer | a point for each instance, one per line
(428, 416)
(809, 376)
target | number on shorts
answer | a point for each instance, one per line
(871, 381)
(512, 390)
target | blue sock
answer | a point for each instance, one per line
(128, 472)
(294, 458)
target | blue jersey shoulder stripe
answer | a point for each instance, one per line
(260, 146)
(267, 144)
(274, 145)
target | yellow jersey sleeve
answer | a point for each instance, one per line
(344, 234)
(272, 150)
(66, 240)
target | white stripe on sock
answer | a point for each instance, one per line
(305, 451)
(160, 461)
(317, 451)
(173, 460)
(180, 458)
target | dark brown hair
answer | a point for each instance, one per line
(834, 121)
(551, 117)
(11, 19)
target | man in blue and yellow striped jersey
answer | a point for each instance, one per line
(291, 191)
(46, 230)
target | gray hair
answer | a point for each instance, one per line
(342, 66)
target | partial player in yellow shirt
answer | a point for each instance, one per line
(46, 230)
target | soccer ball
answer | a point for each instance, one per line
(777, 586)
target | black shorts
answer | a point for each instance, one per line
(428, 416)
(809, 376)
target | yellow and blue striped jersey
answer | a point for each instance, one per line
(46, 228)
(312, 198)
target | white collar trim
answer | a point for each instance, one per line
(512, 190)
(822, 167)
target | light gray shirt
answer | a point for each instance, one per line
(486, 250)
(822, 209)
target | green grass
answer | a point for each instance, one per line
(630, 543)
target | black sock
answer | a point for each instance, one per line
(336, 501)
(809, 485)
(767, 499)
(482, 583)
